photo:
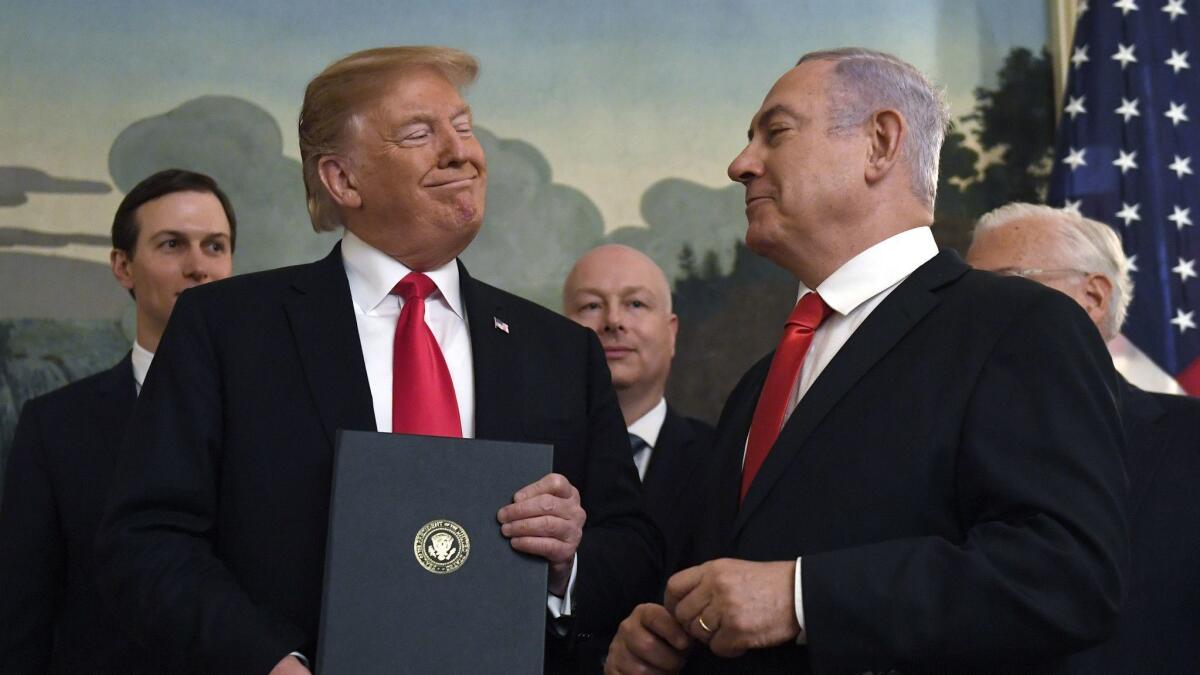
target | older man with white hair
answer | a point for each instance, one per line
(1160, 619)
(925, 476)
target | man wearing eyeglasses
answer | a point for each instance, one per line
(1160, 618)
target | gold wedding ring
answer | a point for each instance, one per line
(703, 625)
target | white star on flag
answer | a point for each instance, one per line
(1132, 263)
(1178, 61)
(1125, 55)
(1128, 109)
(1126, 6)
(1176, 113)
(1185, 269)
(1174, 8)
(1075, 106)
(1180, 166)
(1129, 213)
(1073, 206)
(1126, 161)
(1183, 320)
(1181, 217)
(1079, 56)
(1075, 158)
(1083, 7)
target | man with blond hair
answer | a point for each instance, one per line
(214, 542)
(1160, 616)
(925, 476)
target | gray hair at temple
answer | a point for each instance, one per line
(1081, 243)
(867, 81)
(338, 97)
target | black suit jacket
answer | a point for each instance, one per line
(214, 542)
(671, 486)
(952, 481)
(1158, 630)
(51, 618)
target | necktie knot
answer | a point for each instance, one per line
(637, 443)
(414, 285)
(809, 313)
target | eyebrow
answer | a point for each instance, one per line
(417, 118)
(183, 235)
(777, 110)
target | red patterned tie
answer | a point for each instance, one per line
(423, 400)
(781, 380)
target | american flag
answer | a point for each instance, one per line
(1129, 155)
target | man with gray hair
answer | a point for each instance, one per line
(925, 476)
(1160, 618)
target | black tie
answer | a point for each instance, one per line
(638, 443)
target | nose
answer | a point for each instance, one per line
(454, 149)
(195, 265)
(612, 318)
(746, 166)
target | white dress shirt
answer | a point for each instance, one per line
(372, 275)
(854, 291)
(647, 427)
(141, 358)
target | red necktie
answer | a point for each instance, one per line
(423, 400)
(781, 380)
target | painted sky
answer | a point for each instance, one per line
(617, 95)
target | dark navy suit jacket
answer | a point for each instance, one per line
(51, 618)
(952, 481)
(1158, 630)
(214, 542)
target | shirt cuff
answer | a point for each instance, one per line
(301, 658)
(560, 607)
(802, 637)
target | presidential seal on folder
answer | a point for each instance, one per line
(418, 578)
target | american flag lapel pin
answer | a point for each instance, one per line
(500, 325)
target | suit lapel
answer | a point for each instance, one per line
(671, 462)
(496, 360)
(731, 445)
(1144, 441)
(114, 403)
(878, 334)
(321, 315)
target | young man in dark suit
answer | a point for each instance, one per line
(925, 476)
(172, 231)
(1160, 618)
(214, 543)
(621, 294)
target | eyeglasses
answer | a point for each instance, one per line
(1040, 272)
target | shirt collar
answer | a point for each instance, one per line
(648, 426)
(372, 274)
(141, 358)
(876, 269)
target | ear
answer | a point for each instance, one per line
(338, 178)
(1097, 295)
(673, 325)
(119, 260)
(886, 130)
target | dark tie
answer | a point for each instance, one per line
(423, 400)
(638, 443)
(781, 380)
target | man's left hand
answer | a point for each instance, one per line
(743, 605)
(546, 519)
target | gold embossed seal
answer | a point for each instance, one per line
(442, 546)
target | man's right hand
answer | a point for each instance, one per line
(648, 642)
(290, 665)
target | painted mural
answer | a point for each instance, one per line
(608, 121)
